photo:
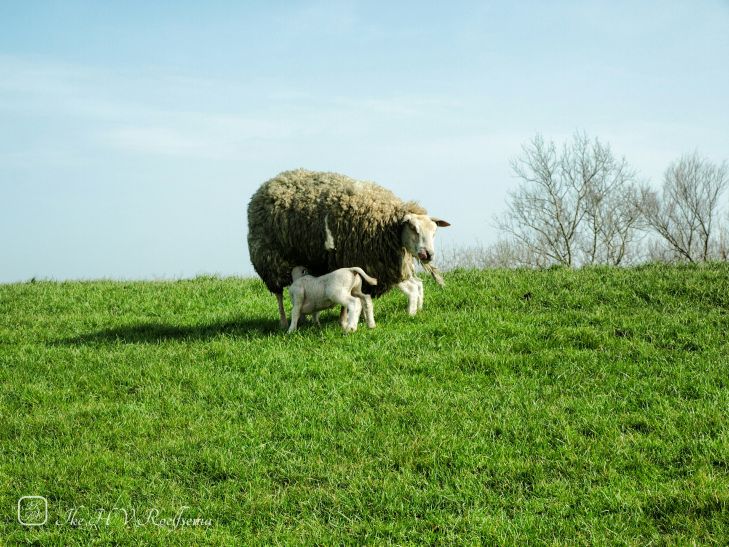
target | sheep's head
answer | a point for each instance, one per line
(418, 232)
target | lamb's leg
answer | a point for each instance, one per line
(366, 301)
(295, 314)
(281, 311)
(343, 317)
(315, 316)
(354, 309)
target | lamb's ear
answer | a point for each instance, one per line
(440, 222)
(298, 272)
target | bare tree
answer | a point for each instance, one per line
(684, 214)
(545, 211)
(722, 250)
(612, 214)
(572, 207)
(614, 221)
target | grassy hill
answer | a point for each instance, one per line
(544, 406)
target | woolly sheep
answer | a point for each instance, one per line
(311, 294)
(327, 221)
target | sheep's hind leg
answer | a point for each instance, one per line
(281, 311)
(369, 311)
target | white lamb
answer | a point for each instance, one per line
(311, 294)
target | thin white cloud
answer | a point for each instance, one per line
(195, 135)
(130, 112)
(320, 17)
(158, 140)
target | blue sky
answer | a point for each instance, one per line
(132, 134)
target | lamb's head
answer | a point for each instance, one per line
(418, 232)
(297, 272)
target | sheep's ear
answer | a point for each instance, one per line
(440, 222)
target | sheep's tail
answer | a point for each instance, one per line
(433, 271)
(361, 272)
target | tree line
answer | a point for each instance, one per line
(580, 204)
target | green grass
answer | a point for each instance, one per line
(548, 407)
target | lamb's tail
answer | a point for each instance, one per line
(361, 272)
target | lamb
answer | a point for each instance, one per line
(327, 221)
(343, 286)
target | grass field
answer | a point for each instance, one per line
(552, 406)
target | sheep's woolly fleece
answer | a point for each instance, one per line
(326, 221)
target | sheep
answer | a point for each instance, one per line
(327, 221)
(343, 286)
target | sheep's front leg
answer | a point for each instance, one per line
(421, 291)
(410, 291)
(316, 318)
(343, 317)
(281, 311)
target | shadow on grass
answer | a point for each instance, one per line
(152, 333)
